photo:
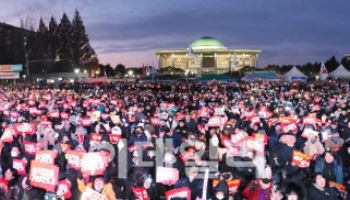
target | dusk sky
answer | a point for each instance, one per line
(129, 31)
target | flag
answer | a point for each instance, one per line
(323, 72)
(190, 51)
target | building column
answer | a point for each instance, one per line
(158, 61)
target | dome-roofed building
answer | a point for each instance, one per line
(209, 56)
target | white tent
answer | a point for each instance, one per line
(294, 73)
(340, 72)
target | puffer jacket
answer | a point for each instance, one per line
(107, 190)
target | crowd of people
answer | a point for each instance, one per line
(229, 140)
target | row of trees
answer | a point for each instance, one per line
(120, 71)
(60, 47)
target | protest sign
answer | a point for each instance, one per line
(179, 193)
(4, 184)
(43, 176)
(300, 159)
(95, 137)
(63, 189)
(19, 165)
(8, 134)
(74, 159)
(29, 147)
(140, 193)
(339, 186)
(167, 176)
(25, 128)
(93, 164)
(47, 157)
(216, 121)
(232, 184)
(90, 194)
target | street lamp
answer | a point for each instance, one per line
(76, 71)
(131, 72)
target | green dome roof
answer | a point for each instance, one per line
(205, 42)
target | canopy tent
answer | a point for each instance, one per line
(261, 75)
(294, 74)
(340, 72)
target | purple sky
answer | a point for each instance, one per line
(129, 31)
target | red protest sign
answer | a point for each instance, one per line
(29, 147)
(93, 164)
(114, 138)
(74, 159)
(155, 121)
(216, 121)
(300, 159)
(262, 137)
(95, 137)
(167, 176)
(25, 128)
(182, 192)
(289, 126)
(91, 194)
(255, 144)
(63, 189)
(47, 157)
(43, 176)
(19, 165)
(86, 121)
(140, 193)
(339, 186)
(309, 132)
(54, 114)
(309, 120)
(238, 137)
(232, 184)
(4, 184)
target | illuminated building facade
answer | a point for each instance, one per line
(207, 55)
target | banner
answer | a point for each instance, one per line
(74, 159)
(43, 176)
(179, 193)
(9, 75)
(11, 68)
(46, 157)
(93, 164)
(91, 194)
(167, 176)
(300, 159)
